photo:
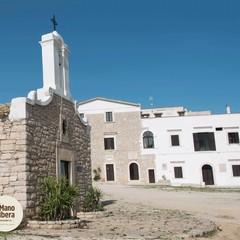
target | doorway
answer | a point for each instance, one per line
(65, 169)
(133, 169)
(110, 172)
(151, 175)
(207, 174)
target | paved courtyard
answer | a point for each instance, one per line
(136, 212)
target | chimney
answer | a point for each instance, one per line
(228, 109)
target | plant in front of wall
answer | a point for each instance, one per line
(92, 200)
(97, 174)
(58, 197)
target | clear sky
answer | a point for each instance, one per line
(176, 52)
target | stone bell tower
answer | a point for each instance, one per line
(55, 64)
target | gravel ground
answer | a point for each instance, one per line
(146, 213)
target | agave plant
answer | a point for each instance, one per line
(92, 200)
(58, 198)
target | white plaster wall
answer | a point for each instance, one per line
(185, 156)
(100, 106)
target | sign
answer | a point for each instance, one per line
(11, 213)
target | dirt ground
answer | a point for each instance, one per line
(148, 213)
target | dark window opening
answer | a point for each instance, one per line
(233, 137)
(178, 172)
(145, 115)
(148, 140)
(236, 170)
(65, 169)
(204, 141)
(109, 117)
(64, 126)
(134, 175)
(158, 115)
(108, 143)
(175, 140)
(219, 129)
(181, 113)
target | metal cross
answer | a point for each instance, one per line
(54, 22)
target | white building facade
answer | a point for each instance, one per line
(163, 145)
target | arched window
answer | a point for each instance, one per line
(148, 141)
(133, 169)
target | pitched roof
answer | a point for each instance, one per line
(4, 110)
(109, 100)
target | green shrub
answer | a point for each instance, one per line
(92, 200)
(97, 174)
(58, 197)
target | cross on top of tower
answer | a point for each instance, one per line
(54, 22)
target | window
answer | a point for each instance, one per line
(148, 141)
(109, 116)
(233, 137)
(109, 143)
(158, 115)
(178, 172)
(236, 170)
(204, 141)
(181, 113)
(145, 115)
(175, 140)
(64, 126)
(65, 169)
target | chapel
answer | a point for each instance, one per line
(43, 135)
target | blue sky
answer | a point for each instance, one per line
(179, 52)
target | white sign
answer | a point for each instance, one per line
(11, 213)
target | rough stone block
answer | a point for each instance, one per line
(21, 148)
(8, 190)
(6, 156)
(21, 156)
(15, 135)
(20, 189)
(4, 180)
(13, 178)
(19, 168)
(3, 136)
(20, 196)
(22, 175)
(9, 147)
(21, 142)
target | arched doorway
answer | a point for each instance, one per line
(133, 169)
(207, 174)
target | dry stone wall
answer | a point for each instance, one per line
(13, 162)
(46, 137)
(31, 149)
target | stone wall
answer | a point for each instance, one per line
(55, 132)
(31, 149)
(127, 130)
(13, 162)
